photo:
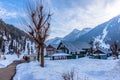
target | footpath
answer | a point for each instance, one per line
(8, 72)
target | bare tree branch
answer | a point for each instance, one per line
(39, 25)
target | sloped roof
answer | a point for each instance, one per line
(75, 46)
(81, 45)
(69, 45)
(104, 50)
(53, 45)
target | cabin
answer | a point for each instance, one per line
(101, 53)
(51, 49)
(73, 48)
(67, 47)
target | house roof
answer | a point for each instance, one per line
(53, 45)
(81, 45)
(104, 50)
(69, 45)
(75, 46)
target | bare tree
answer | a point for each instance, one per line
(69, 75)
(114, 49)
(38, 23)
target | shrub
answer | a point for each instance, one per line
(70, 75)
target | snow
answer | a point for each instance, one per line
(9, 59)
(118, 20)
(92, 69)
(4, 37)
(97, 54)
(6, 47)
(29, 45)
(101, 38)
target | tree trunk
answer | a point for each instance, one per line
(42, 56)
(38, 55)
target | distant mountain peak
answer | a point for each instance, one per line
(75, 34)
(72, 36)
(75, 30)
(54, 41)
(107, 32)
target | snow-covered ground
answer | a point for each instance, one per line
(92, 69)
(9, 59)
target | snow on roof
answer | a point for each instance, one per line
(75, 46)
(104, 50)
(81, 45)
(60, 54)
(54, 45)
(99, 54)
(69, 45)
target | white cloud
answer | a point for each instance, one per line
(66, 19)
(92, 15)
(5, 14)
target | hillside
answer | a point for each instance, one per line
(14, 32)
(107, 32)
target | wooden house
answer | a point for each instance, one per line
(51, 49)
(66, 47)
(101, 53)
(72, 47)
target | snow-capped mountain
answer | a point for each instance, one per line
(55, 40)
(75, 34)
(72, 36)
(107, 32)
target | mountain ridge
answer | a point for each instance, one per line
(111, 27)
(14, 32)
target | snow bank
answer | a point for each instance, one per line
(93, 69)
(9, 59)
(114, 74)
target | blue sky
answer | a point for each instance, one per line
(67, 14)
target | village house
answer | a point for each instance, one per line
(51, 49)
(72, 48)
(101, 53)
(67, 47)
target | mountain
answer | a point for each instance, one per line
(72, 36)
(107, 32)
(10, 30)
(75, 34)
(55, 40)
